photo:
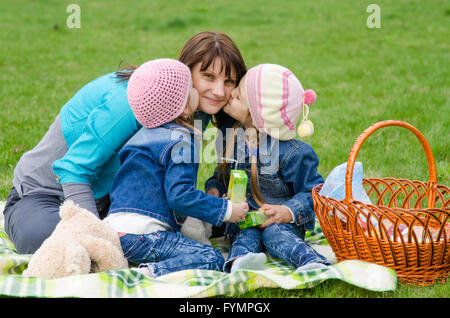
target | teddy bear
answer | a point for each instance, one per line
(81, 243)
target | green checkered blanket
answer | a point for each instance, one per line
(186, 283)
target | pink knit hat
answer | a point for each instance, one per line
(276, 99)
(158, 91)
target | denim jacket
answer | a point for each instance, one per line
(158, 177)
(287, 172)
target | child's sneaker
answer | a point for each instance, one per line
(144, 269)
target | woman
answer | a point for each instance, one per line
(77, 157)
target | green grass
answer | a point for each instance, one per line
(361, 76)
(339, 289)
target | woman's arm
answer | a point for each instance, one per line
(107, 128)
(215, 185)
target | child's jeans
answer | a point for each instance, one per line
(166, 252)
(282, 240)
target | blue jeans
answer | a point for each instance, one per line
(166, 252)
(281, 240)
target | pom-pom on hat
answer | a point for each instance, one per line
(158, 91)
(276, 99)
(306, 127)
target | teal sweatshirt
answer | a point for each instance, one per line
(95, 123)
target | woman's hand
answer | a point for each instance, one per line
(214, 192)
(276, 214)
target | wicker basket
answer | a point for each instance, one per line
(407, 228)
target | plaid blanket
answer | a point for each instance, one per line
(187, 283)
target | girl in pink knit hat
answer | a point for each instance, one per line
(155, 188)
(282, 170)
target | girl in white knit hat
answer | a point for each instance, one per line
(269, 101)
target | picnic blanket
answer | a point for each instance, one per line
(187, 283)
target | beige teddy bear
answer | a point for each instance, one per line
(81, 243)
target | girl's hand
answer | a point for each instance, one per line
(214, 192)
(276, 214)
(239, 212)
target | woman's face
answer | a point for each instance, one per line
(237, 106)
(213, 86)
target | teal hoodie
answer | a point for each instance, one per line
(95, 122)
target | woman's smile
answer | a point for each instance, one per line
(213, 100)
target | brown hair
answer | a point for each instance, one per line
(205, 46)
(125, 72)
(224, 166)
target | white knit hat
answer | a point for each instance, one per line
(276, 100)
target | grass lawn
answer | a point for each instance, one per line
(361, 75)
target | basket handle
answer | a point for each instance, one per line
(360, 140)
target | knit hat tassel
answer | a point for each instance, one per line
(306, 127)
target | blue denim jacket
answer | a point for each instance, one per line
(158, 177)
(287, 172)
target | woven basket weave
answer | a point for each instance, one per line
(407, 228)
